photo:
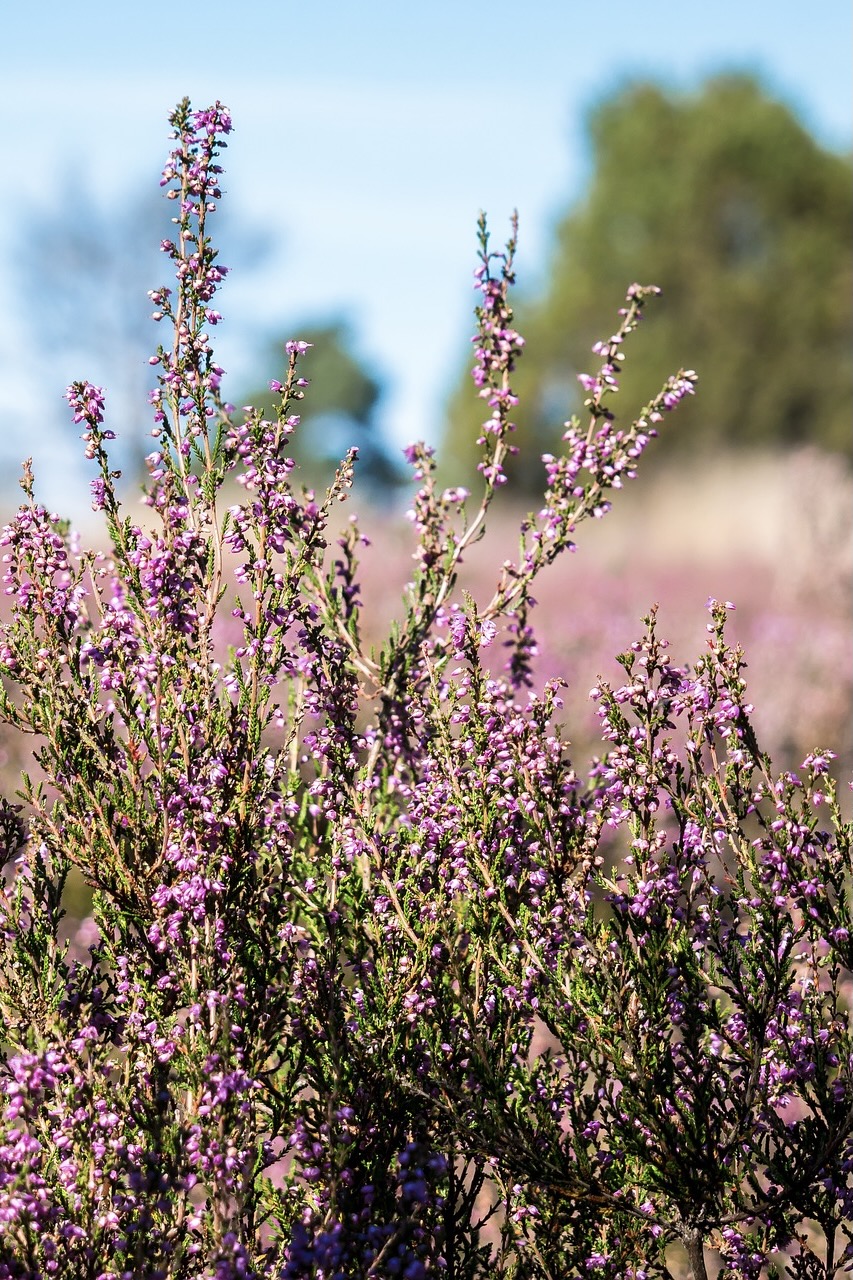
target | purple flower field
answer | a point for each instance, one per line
(794, 623)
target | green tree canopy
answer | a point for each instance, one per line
(338, 410)
(724, 200)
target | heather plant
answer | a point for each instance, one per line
(376, 982)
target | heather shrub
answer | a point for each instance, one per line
(378, 982)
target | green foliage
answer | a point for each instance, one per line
(726, 201)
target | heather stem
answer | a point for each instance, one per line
(694, 1247)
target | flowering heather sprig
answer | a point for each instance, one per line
(496, 347)
(188, 411)
(594, 461)
(375, 982)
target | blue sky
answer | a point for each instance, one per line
(367, 136)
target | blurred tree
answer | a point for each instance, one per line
(338, 410)
(724, 200)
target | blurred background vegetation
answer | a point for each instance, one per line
(724, 200)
